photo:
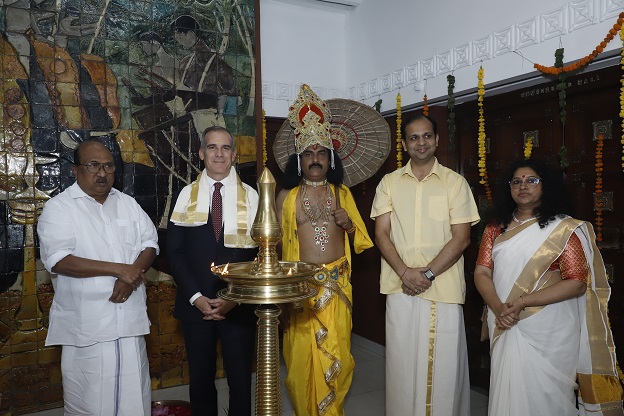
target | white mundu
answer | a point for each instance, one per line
(416, 325)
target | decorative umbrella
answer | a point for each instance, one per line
(360, 135)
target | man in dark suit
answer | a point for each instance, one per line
(204, 229)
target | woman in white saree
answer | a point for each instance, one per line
(544, 282)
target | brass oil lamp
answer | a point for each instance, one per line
(267, 282)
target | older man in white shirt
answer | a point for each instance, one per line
(97, 242)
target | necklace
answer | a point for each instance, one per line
(513, 215)
(319, 211)
(313, 183)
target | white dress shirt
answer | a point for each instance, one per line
(73, 223)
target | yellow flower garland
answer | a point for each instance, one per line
(398, 131)
(264, 139)
(622, 95)
(481, 137)
(528, 147)
(599, 167)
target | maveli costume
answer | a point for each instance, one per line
(537, 363)
(317, 343)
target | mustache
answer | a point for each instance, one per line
(318, 165)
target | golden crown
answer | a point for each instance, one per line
(311, 118)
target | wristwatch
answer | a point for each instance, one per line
(429, 275)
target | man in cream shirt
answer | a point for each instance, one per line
(423, 213)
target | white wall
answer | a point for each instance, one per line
(387, 46)
(301, 43)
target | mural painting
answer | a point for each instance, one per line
(142, 77)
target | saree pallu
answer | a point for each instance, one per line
(536, 363)
(317, 345)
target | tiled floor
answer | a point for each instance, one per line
(365, 398)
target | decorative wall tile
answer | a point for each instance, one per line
(502, 42)
(581, 14)
(267, 90)
(373, 86)
(427, 68)
(398, 78)
(351, 93)
(610, 9)
(553, 24)
(444, 63)
(282, 91)
(386, 83)
(482, 49)
(462, 56)
(527, 33)
(411, 74)
(362, 95)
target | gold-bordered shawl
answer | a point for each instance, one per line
(191, 216)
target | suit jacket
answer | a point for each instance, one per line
(190, 253)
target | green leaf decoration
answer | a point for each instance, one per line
(451, 111)
(563, 158)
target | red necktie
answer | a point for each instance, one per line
(217, 209)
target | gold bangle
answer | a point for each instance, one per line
(523, 304)
(351, 230)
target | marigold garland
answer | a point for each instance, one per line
(399, 145)
(264, 139)
(528, 147)
(451, 111)
(587, 59)
(425, 106)
(481, 137)
(598, 193)
(622, 95)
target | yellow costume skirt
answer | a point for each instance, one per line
(317, 345)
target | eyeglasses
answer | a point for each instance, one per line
(94, 167)
(530, 182)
